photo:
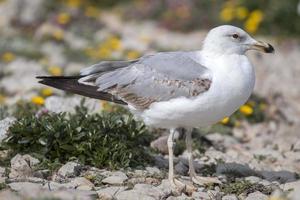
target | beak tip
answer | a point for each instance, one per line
(269, 49)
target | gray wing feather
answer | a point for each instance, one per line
(160, 77)
(105, 66)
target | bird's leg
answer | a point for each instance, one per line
(196, 179)
(176, 185)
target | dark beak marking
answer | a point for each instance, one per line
(269, 49)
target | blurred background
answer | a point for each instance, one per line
(60, 37)
(40, 37)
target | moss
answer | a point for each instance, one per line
(245, 187)
(96, 180)
(3, 186)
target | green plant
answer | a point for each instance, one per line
(3, 186)
(3, 112)
(246, 187)
(104, 140)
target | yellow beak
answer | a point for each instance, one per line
(262, 46)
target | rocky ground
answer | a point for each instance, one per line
(258, 161)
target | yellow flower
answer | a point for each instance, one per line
(63, 18)
(38, 100)
(55, 70)
(131, 55)
(251, 26)
(227, 14)
(225, 120)
(73, 3)
(58, 34)
(91, 11)
(114, 43)
(246, 110)
(257, 16)
(103, 52)
(252, 23)
(241, 12)
(47, 92)
(8, 57)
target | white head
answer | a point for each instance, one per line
(228, 39)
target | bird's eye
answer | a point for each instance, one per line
(235, 36)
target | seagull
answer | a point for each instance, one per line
(181, 89)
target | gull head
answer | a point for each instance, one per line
(228, 39)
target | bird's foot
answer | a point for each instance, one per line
(205, 180)
(179, 187)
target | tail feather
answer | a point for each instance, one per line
(71, 84)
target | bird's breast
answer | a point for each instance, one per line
(232, 84)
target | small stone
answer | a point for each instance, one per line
(2, 179)
(105, 197)
(153, 171)
(137, 180)
(291, 185)
(110, 192)
(201, 195)
(278, 195)
(82, 183)
(296, 146)
(9, 195)
(149, 190)
(70, 169)
(52, 186)
(152, 181)
(2, 171)
(279, 176)
(4, 126)
(71, 194)
(44, 174)
(238, 170)
(230, 197)
(181, 168)
(265, 182)
(141, 191)
(256, 196)
(139, 173)
(117, 178)
(21, 166)
(160, 161)
(253, 179)
(133, 195)
(181, 197)
(165, 187)
(160, 144)
(293, 188)
(25, 187)
(215, 194)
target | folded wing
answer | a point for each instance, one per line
(155, 78)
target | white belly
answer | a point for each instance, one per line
(231, 87)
